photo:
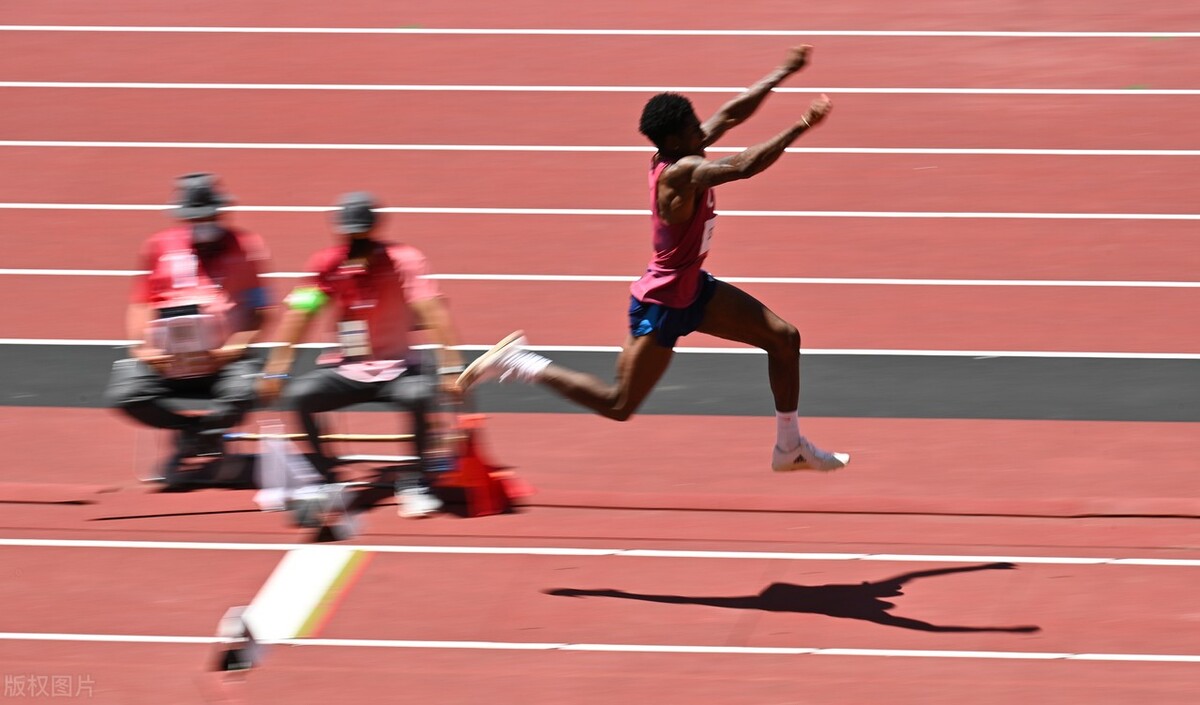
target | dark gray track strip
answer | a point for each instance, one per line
(736, 385)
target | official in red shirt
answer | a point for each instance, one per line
(196, 311)
(380, 292)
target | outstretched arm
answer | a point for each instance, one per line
(738, 110)
(753, 160)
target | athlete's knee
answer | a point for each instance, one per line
(619, 407)
(620, 413)
(786, 340)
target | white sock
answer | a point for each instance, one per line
(526, 366)
(787, 429)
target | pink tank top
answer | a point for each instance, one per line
(673, 275)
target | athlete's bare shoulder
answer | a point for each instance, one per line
(676, 189)
(679, 174)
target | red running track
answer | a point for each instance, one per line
(1070, 15)
(913, 485)
(1089, 608)
(815, 182)
(1107, 609)
(1019, 467)
(1134, 121)
(902, 62)
(926, 248)
(828, 316)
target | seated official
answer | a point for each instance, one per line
(196, 311)
(379, 291)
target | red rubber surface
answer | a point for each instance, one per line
(922, 487)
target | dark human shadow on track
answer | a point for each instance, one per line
(862, 601)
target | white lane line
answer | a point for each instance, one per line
(602, 32)
(618, 552)
(602, 278)
(619, 648)
(865, 352)
(976, 215)
(573, 149)
(92, 342)
(110, 638)
(497, 88)
(839, 281)
(83, 272)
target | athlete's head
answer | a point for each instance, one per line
(670, 122)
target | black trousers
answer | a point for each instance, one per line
(138, 390)
(324, 390)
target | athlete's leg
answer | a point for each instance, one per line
(733, 314)
(640, 365)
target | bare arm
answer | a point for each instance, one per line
(738, 110)
(681, 181)
(753, 160)
(235, 345)
(292, 326)
(140, 312)
(243, 338)
(137, 317)
(433, 315)
(257, 300)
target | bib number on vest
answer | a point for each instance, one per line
(354, 337)
(706, 238)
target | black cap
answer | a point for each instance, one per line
(198, 196)
(356, 213)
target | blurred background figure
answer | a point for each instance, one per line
(195, 312)
(381, 293)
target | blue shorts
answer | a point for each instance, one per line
(670, 324)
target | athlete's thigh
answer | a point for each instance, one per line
(733, 314)
(640, 365)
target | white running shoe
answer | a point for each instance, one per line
(417, 502)
(806, 456)
(494, 363)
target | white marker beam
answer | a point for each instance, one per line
(300, 593)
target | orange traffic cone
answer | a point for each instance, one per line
(490, 488)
